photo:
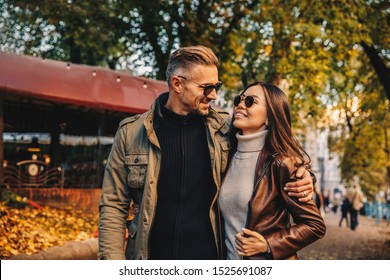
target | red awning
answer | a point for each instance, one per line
(76, 84)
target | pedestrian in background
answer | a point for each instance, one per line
(356, 198)
(345, 208)
(319, 199)
(336, 202)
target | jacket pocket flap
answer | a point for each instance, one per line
(225, 145)
(136, 159)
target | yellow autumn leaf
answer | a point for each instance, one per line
(30, 230)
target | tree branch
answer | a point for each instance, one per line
(380, 68)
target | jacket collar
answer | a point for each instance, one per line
(154, 116)
(217, 121)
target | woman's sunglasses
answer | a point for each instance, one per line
(248, 100)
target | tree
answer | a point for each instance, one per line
(324, 54)
(74, 31)
(361, 123)
(163, 26)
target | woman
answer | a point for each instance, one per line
(255, 207)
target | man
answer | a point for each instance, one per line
(356, 199)
(169, 162)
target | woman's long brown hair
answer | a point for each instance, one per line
(279, 138)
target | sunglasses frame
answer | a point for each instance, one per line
(248, 100)
(207, 89)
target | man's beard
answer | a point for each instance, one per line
(195, 107)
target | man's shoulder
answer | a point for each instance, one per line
(130, 120)
(220, 114)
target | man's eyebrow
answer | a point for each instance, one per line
(209, 84)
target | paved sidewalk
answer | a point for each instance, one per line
(368, 242)
(71, 250)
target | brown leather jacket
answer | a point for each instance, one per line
(270, 209)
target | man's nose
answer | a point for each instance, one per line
(213, 95)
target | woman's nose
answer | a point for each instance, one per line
(241, 104)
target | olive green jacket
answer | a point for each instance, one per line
(131, 176)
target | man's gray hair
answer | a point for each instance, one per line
(187, 57)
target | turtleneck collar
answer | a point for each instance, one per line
(177, 119)
(252, 142)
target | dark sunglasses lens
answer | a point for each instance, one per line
(218, 86)
(208, 89)
(249, 101)
(236, 100)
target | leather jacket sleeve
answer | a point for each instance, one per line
(309, 225)
(114, 203)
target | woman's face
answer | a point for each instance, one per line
(251, 120)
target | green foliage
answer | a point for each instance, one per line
(74, 31)
(364, 155)
(12, 199)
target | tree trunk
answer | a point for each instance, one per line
(387, 150)
(74, 52)
(1, 139)
(380, 68)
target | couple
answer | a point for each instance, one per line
(170, 161)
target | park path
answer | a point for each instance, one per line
(369, 241)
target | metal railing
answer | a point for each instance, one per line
(33, 173)
(377, 210)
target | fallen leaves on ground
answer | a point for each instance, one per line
(31, 230)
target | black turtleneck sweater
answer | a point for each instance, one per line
(181, 227)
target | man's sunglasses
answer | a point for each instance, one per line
(207, 89)
(248, 100)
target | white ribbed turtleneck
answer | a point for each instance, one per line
(237, 187)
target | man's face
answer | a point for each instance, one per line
(193, 99)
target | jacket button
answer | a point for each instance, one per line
(145, 220)
(151, 182)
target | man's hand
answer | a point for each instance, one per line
(303, 188)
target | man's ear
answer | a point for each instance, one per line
(177, 85)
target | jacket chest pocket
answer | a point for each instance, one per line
(225, 148)
(137, 166)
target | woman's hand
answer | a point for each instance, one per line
(249, 243)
